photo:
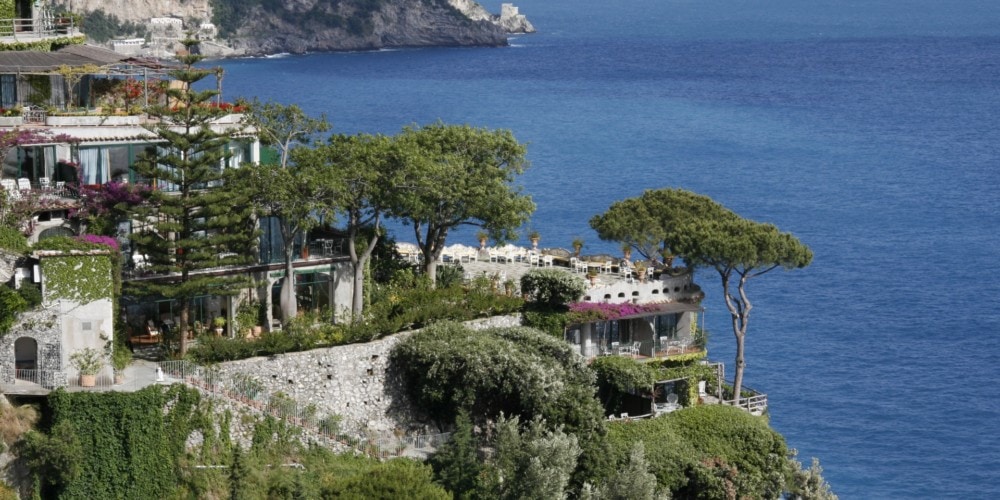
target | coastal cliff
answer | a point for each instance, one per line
(260, 27)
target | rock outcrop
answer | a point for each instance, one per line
(298, 26)
(509, 18)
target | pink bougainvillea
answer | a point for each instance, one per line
(99, 240)
(588, 312)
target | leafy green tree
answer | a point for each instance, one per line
(634, 482)
(705, 234)
(297, 196)
(739, 250)
(456, 463)
(534, 462)
(365, 172)
(809, 484)
(459, 175)
(283, 127)
(646, 222)
(190, 225)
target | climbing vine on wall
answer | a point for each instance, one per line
(7, 9)
(79, 278)
(130, 442)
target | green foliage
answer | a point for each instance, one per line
(13, 240)
(88, 361)
(516, 371)
(552, 287)
(115, 444)
(7, 9)
(808, 484)
(624, 374)
(648, 223)
(542, 459)
(456, 463)
(634, 481)
(102, 26)
(56, 456)
(450, 276)
(11, 305)
(400, 478)
(460, 175)
(46, 45)
(551, 320)
(744, 441)
(191, 228)
(79, 278)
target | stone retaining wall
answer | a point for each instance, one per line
(352, 381)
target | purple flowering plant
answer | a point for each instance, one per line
(99, 240)
(589, 312)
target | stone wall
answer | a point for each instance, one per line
(353, 381)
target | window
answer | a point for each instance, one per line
(8, 91)
(666, 325)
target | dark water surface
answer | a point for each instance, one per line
(868, 128)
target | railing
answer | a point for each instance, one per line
(22, 381)
(44, 26)
(246, 390)
(755, 402)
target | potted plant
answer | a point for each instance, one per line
(88, 362)
(577, 246)
(592, 276)
(220, 324)
(640, 270)
(626, 251)
(120, 359)
(482, 236)
(534, 237)
(668, 258)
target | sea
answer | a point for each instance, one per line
(870, 129)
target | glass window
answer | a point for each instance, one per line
(666, 325)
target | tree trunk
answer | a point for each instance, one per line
(182, 327)
(740, 365)
(739, 310)
(289, 304)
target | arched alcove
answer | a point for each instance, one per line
(26, 354)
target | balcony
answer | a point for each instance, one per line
(44, 27)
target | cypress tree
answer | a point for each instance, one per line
(191, 223)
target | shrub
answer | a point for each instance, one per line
(449, 276)
(553, 287)
(11, 239)
(744, 441)
(11, 304)
(515, 371)
(547, 319)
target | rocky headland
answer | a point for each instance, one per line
(262, 27)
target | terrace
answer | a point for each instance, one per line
(43, 25)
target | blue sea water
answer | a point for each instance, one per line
(868, 128)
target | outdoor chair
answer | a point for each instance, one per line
(24, 184)
(60, 187)
(43, 183)
(625, 272)
(606, 267)
(11, 188)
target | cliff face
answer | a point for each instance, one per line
(324, 25)
(256, 27)
(139, 11)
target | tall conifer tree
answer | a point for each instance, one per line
(191, 222)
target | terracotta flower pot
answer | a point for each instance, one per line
(88, 380)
